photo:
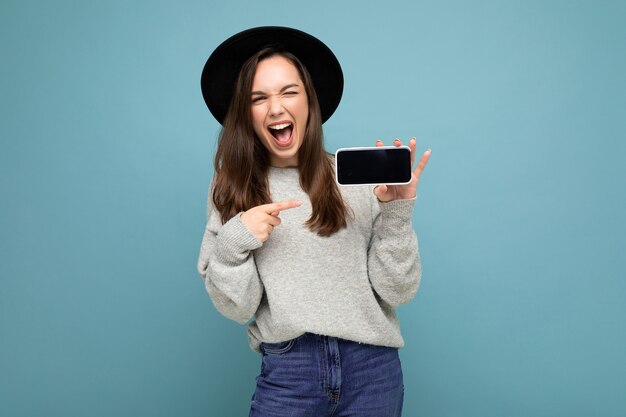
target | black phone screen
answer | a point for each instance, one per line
(386, 165)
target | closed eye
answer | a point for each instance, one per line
(258, 99)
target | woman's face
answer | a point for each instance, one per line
(280, 109)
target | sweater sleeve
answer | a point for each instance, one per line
(226, 264)
(393, 258)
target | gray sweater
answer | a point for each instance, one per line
(346, 285)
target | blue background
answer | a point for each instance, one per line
(106, 156)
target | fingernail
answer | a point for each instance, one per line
(299, 203)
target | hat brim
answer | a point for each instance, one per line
(223, 66)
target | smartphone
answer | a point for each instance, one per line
(376, 165)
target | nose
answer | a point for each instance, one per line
(276, 106)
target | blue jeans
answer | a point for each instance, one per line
(318, 376)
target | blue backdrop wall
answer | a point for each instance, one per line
(106, 156)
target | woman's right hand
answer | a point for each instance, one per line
(261, 220)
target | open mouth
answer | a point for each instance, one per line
(282, 133)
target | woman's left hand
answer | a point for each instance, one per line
(387, 193)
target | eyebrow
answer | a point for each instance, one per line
(288, 86)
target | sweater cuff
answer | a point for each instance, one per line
(396, 215)
(397, 208)
(235, 239)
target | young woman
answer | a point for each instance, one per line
(314, 269)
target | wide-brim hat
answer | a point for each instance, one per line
(223, 66)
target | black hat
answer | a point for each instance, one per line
(222, 68)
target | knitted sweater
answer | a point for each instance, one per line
(346, 285)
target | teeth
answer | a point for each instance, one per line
(280, 126)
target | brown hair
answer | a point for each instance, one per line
(242, 161)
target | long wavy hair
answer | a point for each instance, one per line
(242, 161)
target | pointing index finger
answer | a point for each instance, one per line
(280, 206)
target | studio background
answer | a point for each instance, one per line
(106, 158)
